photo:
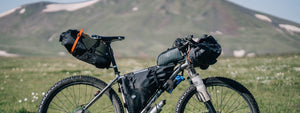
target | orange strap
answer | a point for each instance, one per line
(188, 55)
(75, 43)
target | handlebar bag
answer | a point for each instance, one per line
(86, 49)
(138, 87)
(205, 52)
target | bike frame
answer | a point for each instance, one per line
(195, 78)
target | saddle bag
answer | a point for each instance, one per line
(138, 87)
(85, 48)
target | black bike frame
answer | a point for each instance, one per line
(180, 68)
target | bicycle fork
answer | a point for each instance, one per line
(201, 89)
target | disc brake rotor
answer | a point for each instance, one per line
(80, 110)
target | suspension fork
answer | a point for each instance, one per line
(201, 89)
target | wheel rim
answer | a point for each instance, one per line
(74, 97)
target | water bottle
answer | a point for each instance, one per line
(158, 107)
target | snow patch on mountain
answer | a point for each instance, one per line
(9, 12)
(68, 7)
(290, 28)
(263, 18)
(22, 11)
(5, 54)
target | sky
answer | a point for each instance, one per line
(286, 9)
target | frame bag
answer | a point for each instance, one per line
(85, 48)
(138, 87)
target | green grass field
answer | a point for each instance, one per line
(273, 80)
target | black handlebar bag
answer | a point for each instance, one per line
(205, 52)
(85, 48)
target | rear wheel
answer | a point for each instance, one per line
(70, 95)
(227, 96)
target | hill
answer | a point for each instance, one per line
(150, 27)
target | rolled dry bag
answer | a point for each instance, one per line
(85, 48)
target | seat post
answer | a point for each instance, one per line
(111, 53)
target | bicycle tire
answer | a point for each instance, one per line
(72, 93)
(234, 95)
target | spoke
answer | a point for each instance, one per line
(62, 105)
(216, 94)
(105, 108)
(85, 93)
(238, 105)
(75, 97)
(196, 101)
(58, 110)
(232, 104)
(91, 96)
(106, 111)
(192, 104)
(68, 99)
(79, 94)
(190, 110)
(242, 108)
(228, 99)
(70, 94)
(221, 97)
(58, 106)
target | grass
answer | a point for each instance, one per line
(273, 80)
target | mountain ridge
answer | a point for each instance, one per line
(150, 27)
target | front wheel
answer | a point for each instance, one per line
(227, 96)
(70, 95)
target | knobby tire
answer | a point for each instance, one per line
(71, 94)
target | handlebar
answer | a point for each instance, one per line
(189, 41)
(184, 43)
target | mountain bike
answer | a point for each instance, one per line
(87, 94)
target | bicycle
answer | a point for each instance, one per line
(86, 94)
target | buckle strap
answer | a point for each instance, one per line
(75, 43)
